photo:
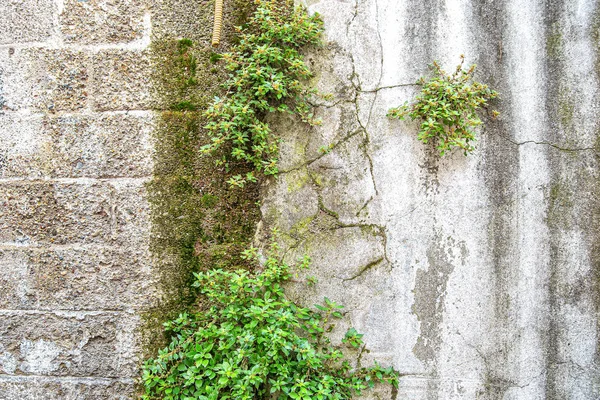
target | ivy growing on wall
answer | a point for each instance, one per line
(251, 342)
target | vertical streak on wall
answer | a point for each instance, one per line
(572, 199)
(530, 310)
(500, 171)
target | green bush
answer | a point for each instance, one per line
(447, 108)
(251, 342)
(266, 69)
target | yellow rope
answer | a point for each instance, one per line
(216, 37)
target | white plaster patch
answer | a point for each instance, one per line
(8, 362)
(39, 356)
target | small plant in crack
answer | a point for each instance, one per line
(447, 107)
(326, 149)
(266, 71)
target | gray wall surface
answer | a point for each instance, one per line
(476, 277)
(75, 153)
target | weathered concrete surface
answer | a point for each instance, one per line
(474, 277)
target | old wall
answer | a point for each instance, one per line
(75, 153)
(98, 187)
(475, 277)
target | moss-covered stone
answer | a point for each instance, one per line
(198, 221)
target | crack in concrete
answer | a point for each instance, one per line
(353, 18)
(378, 88)
(553, 145)
(505, 384)
(363, 207)
(367, 138)
(364, 147)
(378, 228)
(327, 105)
(364, 269)
(314, 159)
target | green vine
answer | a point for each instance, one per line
(251, 342)
(447, 107)
(266, 69)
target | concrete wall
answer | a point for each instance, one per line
(75, 153)
(475, 277)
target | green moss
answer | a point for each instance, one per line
(300, 228)
(328, 211)
(214, 57)
(560, 204)
(566, 108)
(198, 221)
(317, 179)
(184, 106)
(297, 180)
(184, 44)
(300, 149)
(595, 34)
(554, 42)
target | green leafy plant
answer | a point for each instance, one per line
(251, 342)
(447, 107)
(266, 70)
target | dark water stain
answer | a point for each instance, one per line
(500, 169)
(572, 197)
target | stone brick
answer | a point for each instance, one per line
(26, 20)
(48, 80)
(114, 145)
(60, 213)
(102, 21)
(74, 279)
(131, 213)
(183, 18)
(122, 80)
(68, 344)
(20, 144)
(38, 388)
(97, 146)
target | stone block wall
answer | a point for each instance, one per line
(76, 151)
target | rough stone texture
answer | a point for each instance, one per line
(122, 80)
(26, 21)
(68, 344)
(42, 79)
(102, 21)
(76, 273)
(73, 212)
(74, 278)
(181, 18)
(481, 279)
(114, 145)
(41, 388)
